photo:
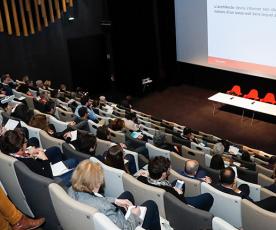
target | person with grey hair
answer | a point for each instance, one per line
(192, 170)
(159, 140)
(39, 83)
(218, 148)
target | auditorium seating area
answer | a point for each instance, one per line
(36, 195)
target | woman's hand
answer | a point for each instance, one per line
(179, 191)
(37, 153)
(124, 203)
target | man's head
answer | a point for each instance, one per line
(191, 167)
(39, 83)
(159, 168)
(227, 176)
(85, 100)
(187, 132)
(159, 139)
(83, 112)
(6, 79)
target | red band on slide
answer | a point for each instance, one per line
(242, 65)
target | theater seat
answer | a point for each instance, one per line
(182, 216)
(269, 98)
(220, 224)
(236, 90)
(253, 94)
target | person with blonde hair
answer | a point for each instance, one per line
(87, 180)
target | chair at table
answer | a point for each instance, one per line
(236, 89)
(269, 98)
(253, 94)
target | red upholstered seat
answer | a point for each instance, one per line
(236, 90)
(269, 98)
(253, 94)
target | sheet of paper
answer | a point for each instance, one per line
(59, 169)
(74, 135)
(143, 210)
(234, 150)
(11, 124)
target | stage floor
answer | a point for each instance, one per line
(190, 106)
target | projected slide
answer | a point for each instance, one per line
(242, 34)
(234, 35)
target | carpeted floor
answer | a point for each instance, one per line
(190, 106)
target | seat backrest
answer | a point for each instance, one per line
(255, 189)
(208, 159)
(48, 141)
(16, 93)
(135, 155)
(64, 115)
(11, 184)
(254, 217)
(59, 125)
(93, 127)
(29, 100)
(194, 155)
(264, 180)
(102, 146)
(71, 214)
(220, 224)
(195, 146)
(155, 151)
(112, 179)
(192, 186)
(236, 89)
(144, 122)
(69, 152)
(263, 170)
(232, 214)
(266, 193)
(143, 192)
(35, 188)
(33, 132)
(180, 214)
(102, 222)
(247, 175)
(117, 137)
(269, 97)
(177, 161)
(213, 173)
(147, 129)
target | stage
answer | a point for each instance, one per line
(188, 105)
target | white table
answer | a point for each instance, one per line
(244, 103)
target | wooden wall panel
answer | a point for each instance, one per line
(24, 16)
(15, 18)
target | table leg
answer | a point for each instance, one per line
(214, 109)
(242, 115)
(252, 119)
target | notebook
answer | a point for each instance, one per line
(11, 124)
(143, 210)
(59, 169)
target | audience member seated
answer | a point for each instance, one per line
(131, 121)
(117, 125)
(245, 161)
(62, 87)
(86, 102)
(217, 162)
(218, 148)
(115, 158)
(228, 185)
(39, 84)
(159, 140)
(87, 180)
(47, 85)
(192, 170)
(6, 81)
(271, 163)
(159, 170)
(23, 113)
(81, 122)
(14, 143)
(12, 219)
(43, 97)
(85, 143)
(40, 121)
